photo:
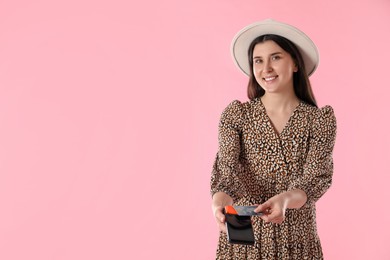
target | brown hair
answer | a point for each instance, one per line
(302, 87)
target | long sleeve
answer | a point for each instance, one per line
(224, 173)
(318, 168)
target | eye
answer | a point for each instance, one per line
(276, 57)
(258, 61)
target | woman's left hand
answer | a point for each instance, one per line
(274, 209)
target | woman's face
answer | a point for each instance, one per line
(273, 67)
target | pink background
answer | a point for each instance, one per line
(109, 113)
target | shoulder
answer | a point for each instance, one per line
(233, 114)
(237, 108)
(325, 112)
(232, 111)
(325, 116)
(323, 120)
(233, 106)
(320, 114)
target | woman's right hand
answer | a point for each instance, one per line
(220, 199)
(220, 218)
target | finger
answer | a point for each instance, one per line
(218, 213)
(222, 227)
(220, 217)
(263, 207)
(269, 215)
(265, 212)
(265, 218)
(221, 223)
(276, 216)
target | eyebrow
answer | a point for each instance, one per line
(272, 54)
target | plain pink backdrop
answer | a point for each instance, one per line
(109, 113)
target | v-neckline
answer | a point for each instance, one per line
(286, 126)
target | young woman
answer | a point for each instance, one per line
(275, 150)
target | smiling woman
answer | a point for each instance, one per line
(279, 48)
(273, 67)
(275, 150)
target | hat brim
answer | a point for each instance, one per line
(243, 39)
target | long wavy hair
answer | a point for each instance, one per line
(301, 82)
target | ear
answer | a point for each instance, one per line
(295, 68)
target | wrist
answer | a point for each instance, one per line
(285, 198)
(221, 199)
(294, 198)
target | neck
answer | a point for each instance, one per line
(280, 102)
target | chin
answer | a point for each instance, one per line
(270, 90)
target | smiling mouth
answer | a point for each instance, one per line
(269, 79)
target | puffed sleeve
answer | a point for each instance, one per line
(224, 173)
(318, 168)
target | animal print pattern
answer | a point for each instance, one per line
(254, 163)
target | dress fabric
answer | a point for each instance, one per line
(255, 163)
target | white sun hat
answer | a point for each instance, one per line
(243, 39)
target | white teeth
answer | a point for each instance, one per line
(269, 78)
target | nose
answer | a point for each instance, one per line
(267, 66)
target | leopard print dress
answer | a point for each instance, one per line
(254, 163)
